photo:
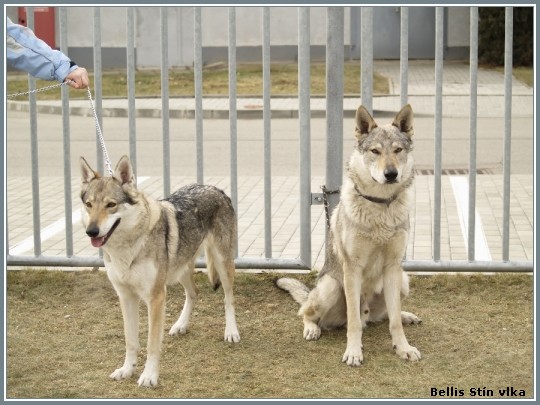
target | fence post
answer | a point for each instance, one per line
(334, 102)
(267, 113)
(304, 117)
(472, 129)
(197, 67)
(439, 37)
(98, 95)
(165, 100)
(404, 55)
(508, 38)
(34, 151)
(233, 127)
(130, 57)
(367, 58)
(62, 17)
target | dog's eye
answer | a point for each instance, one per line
(375, 152)
(89, 205)
(398, 150)
(111, 205)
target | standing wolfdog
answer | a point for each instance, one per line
(148, 244)
(362, 279)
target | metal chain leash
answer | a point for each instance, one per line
(41, 89)
(325, 193)
(100, 134)
(98, 128)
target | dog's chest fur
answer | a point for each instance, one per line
(377, 222)
(362, 226)
(128, 257)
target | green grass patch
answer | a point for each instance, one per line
(65, 336)
(524, 75)
(284, 82)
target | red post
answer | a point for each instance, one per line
(44, 23)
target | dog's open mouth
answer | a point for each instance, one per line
(100, 241)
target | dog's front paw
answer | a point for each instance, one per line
(408, 352)
(178, 329)
(312, 332)
(232, 336)
(353, 357)
(122, 373)
(149, 378)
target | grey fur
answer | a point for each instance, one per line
(362, 272)
(148, 244)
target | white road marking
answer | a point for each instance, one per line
(460, 186)
(53, 229)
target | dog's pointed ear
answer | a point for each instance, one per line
(364, 122)
(404, 120)
(124, 172)
(87, 173)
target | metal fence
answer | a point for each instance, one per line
(334, 131)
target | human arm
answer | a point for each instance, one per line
(26, 52)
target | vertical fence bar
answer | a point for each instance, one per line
(404, 56)
(6, 227)
(439, 37)
(404, 59)
(32, 107)
(472, 130)
(304, 116)
(367, 58)
(508, 38)
(98, 95)
(233, 116)
(334, 103)
(197, 65)
(165, 100)
(68, 209)
(130, 59)
(267, 135)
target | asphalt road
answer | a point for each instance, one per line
(285, 148)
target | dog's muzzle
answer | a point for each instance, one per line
(99, 241)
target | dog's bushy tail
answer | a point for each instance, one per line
(298, 290)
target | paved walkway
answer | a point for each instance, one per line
(285, 215)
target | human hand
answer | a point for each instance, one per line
(78, 79)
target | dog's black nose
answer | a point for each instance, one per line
(390, 174)
(92, 231)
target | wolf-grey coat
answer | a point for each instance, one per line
(362, 279)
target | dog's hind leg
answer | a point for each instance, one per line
(226, 274)
(407, 318)
(227, 277)
(378, 310)
(181, 325)
(324, 308)
(129, 302)
(221, 256)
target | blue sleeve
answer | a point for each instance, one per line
(26, 52)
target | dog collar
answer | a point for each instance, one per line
(377, 200)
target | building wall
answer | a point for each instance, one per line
(458, 33)
(283, 31)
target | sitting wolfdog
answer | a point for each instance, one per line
(362, 279)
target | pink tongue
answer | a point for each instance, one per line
(97, 242)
